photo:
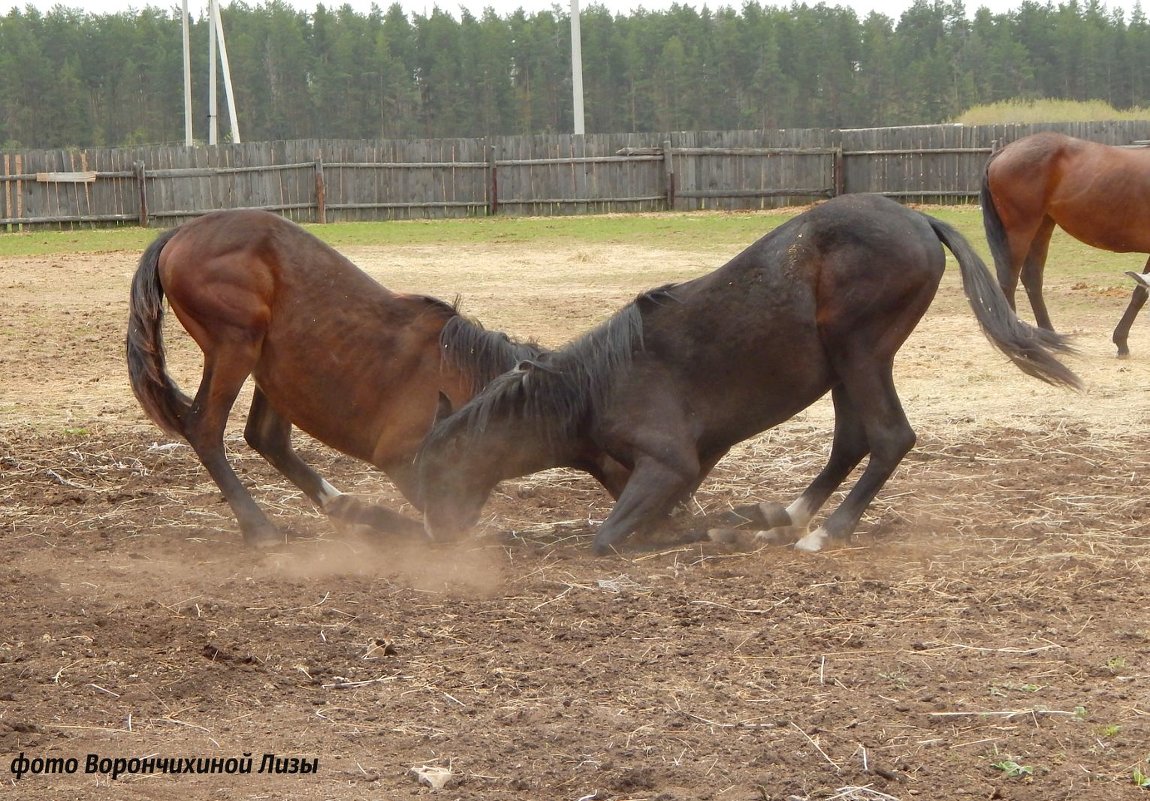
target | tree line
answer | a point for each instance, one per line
(69, 78)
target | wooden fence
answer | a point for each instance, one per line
(331, 180)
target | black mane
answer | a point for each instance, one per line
(470, 348)
(556, 391)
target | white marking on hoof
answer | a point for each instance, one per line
(800, 514)
(813, 542)
(1139, 279)
(327, 494)
(775, 536)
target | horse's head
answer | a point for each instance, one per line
(458, 465)
(519, 424)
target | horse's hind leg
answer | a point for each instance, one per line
(1032, 269)
(1137, 301)
(204, 429)
(269, 433)
(875, 415)
(847, 450)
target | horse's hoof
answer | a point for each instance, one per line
(264, 537)
(775, 536)
(813, 542)
(602, 548)
(723, 536)
(750, 540)
(343, 507)
(762, 515)
(347, 509)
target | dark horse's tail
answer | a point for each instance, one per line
(995, 230)
(1029, 347)
(162, 400)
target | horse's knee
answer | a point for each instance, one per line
(894, 444)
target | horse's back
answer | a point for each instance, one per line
(761, 338)
(336, 353)
(851, 247)
(248, 250)
(873, 266)
(1099, 194)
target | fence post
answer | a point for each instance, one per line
(492, 182)
(141, 175)
(320, 193)
(7, 192)
(20, 189)
(669, 174)
(840, 177)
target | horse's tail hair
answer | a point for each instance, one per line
(1031, 348)
(995, 230)
(157, 393)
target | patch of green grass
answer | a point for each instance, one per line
(1140, 778)
(896, 679)
(1090, 271)
(1003, 689)
(1012, 769)
(672, 231)
(46, 243)
(687, 231)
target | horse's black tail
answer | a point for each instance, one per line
(1031, 348)
(157, 393)
(995, 230)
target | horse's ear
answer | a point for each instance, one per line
(443, 408)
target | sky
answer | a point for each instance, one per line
(891, 8)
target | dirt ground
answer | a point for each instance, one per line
(985, 635)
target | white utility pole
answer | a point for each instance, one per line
(216, 34)
(576, 68)
(213, 121)
(187, 78)
(227, 74)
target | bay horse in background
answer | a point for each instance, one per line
(356, 366)
(672, 381)
(1099, 194)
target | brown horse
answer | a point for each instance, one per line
(1098, 194)
(673, 380)
(353, 364)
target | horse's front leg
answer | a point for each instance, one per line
(348, 509)
(655, 485)
(270, 434)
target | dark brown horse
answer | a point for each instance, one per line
(353, 364)
(673, 380)
(1098, 194)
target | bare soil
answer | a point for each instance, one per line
(985, 635)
